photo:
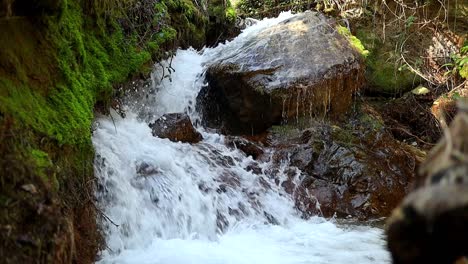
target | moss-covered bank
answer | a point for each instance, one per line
(58, 59)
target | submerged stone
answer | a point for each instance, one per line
(301, 67)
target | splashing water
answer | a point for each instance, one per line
(179, 203)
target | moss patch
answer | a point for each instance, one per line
(353, 40)
(44, 169)
(285, 131)
(344, 135)
(188, 21)
(231, 14)
(385, 72)
(87, 58)
(222, 17)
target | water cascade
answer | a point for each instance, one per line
(170, 203)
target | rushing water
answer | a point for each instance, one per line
(172, 203)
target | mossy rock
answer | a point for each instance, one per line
(385, 72)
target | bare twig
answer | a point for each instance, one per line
(105, 216)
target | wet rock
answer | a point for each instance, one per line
(228, 179)
(254, 168)
(146, 169)
(298, 68)
(288, 186)
(270, 218)
(243, 23)
(222, 189)
(176, 127)
(221, 222)
(248, 147)
(356, 170)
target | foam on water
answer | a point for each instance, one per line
(316, 241)
(200, 203)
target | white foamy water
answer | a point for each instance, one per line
(173, 203)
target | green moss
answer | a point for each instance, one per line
(43, 211)
(461, 61)
(385, 73)
(188, 21)
(41, 158)
(44, 168)
(90, 60)
(231, 14)
(353, 40)
(222, 17)
(373, 123)
(464, 71)
(344, 135)
(387, 76)
(223, 11)
(293, 127)
(285, 131)
(270, 8)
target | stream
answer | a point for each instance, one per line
(171, 203)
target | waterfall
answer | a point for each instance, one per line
(168, 202)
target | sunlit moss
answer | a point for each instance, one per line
(231, 14)
(90, 60)
(355, 42)
(385, 73)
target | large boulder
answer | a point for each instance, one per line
(300, 67)
(176, 127)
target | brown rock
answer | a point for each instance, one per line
(298, 68)
(176, 127)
